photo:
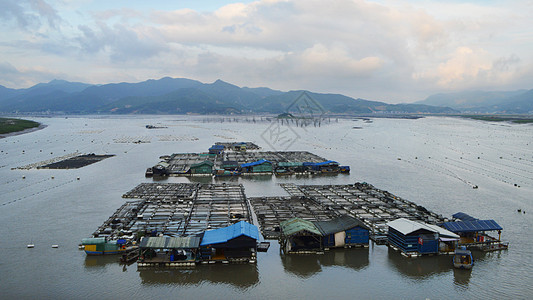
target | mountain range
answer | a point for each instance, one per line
(181, 96)
(501, 102)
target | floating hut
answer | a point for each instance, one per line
(328, 166)
(239, 146)
(300, 236)
(216, 149)
(260, 166)
(235, 243)
(286, 167)
(230, 165)
(473, 232)
(343, 231)
(164, 251)
(204, 167)
(413, 238)
(447, 240)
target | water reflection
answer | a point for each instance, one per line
(240, 276)
(301, 265)
(420, 267)
(227, 179)
(200, 179)
(100, 261)
(308, 265)
(461, 277)
(356, 259)
(257, 177)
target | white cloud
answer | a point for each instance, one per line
(398, 50)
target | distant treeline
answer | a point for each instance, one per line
(492, 118)
(8, 125)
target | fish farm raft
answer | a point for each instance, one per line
(183, 224)
(243, 158)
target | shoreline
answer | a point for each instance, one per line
(5, 135)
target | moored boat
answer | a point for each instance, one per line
(102, 246)
(463, 259)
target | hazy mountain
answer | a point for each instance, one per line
(519, 101)
(57, 85)
(6, 93)
(186, 100)
(263, 91)
(115, 91)
(519, 104)
(181, 95)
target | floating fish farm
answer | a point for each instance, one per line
(177, 209)
(234, 159)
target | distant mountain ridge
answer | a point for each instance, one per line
(181, 96)
(510, 102)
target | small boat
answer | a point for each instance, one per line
(263, 246)
(463, 259)
(102, 246)
(30, 245)
(149, 172)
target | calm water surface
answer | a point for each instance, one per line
(432, 161)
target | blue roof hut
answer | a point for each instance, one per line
(473, 232)
(237, 242)
(260, 166)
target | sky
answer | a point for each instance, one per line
(391, 51)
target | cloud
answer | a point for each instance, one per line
(11, 76)
(29, 13)
(464, 65)
(120, 42)
(474, 68)
(392, 51)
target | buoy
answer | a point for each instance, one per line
(52, 177)
(77, 178)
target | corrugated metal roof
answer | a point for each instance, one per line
(225, 234)
(296, 225)
(339, 224)
(443, 232)
(326, 163)
(166, 242)
(289, 164)
(406, 226)
(186, 242)
(93, 241)
(464, 217)
(230, 163)
(472, 226)
(255, 163)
